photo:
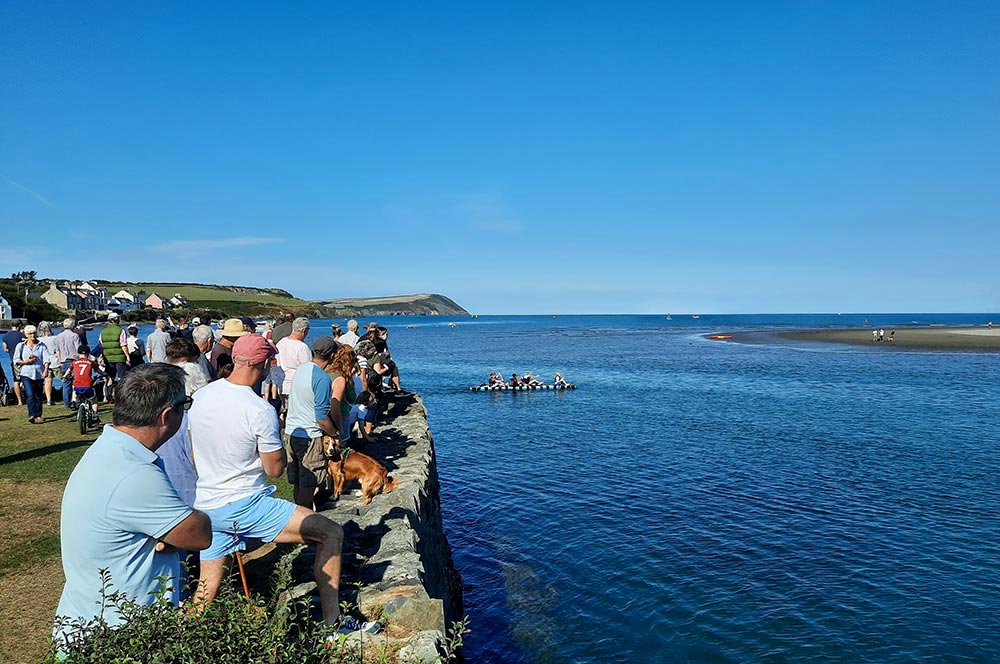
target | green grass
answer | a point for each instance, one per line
(209, 295)
(23, 554)
(41, 452)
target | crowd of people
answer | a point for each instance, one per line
(526, 380)
(201, 418)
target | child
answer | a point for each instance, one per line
(83, 369)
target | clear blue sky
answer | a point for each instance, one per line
(518, 157)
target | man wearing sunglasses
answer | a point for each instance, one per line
(119, 511)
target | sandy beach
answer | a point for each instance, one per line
(939, 338)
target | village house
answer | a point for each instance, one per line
(128, 300)
(6, 312)
(67, 299)
(178, 300)
(156, 301)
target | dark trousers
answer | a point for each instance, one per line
(67, 387)
(34, 394)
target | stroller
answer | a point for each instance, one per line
(7, 396)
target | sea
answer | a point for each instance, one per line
(709, 501)
(697, 500)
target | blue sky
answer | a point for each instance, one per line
(517, 157)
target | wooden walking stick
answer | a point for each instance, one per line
(243, 573)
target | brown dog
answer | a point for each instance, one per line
(357, 466)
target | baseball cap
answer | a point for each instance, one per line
(324, 346)
(112, 316)
(248, 322)
(196, 321)
(251, 349)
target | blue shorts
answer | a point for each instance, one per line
(84, 392)
(258, 516)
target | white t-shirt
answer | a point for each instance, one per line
(230, 427)
(291, 354)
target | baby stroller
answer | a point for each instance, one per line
(7, 396)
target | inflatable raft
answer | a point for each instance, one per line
(487, 388)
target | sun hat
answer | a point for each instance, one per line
(233, 328)
(251, 349)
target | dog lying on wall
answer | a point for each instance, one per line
(347, 465)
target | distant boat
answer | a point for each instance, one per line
(695, 316)
(452, 324)
(669, 317)
(410, 327)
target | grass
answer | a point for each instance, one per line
(35, 462)
(213, 294)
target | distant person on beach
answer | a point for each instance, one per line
(881, 334)
(236, 440)
(10, 342)
(119, 511)
(892, 335)
(310, 416)
(282, 329)
(874, 335)
(350, 338)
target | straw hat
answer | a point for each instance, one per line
(233, 328)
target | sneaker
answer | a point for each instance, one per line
(349, 625)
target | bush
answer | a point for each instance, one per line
(233, 629)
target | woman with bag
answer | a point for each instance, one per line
(32, 359)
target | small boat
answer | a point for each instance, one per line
(720, 337)
(695, 316)
(669, 317)
(452, 324)
(411, 327)
(487, 388)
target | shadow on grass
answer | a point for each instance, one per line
(44, 451)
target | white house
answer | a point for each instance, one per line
(178, 300)
(127, 301)
(5, 310)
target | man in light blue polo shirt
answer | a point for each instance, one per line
(307, 420)
(119, 511)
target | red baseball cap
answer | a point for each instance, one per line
(251, 349)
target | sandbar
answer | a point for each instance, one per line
(935, 338)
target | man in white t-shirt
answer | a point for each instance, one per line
(292, 353)
(235, 441)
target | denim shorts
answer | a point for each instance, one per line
(258, 516)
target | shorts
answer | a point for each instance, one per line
(307, 462)
(15, 371)
(276, 375)
(258, 516)
(84, 392)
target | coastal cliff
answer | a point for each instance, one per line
(397, 563)
(421, 304)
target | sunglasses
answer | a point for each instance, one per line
(184, 404)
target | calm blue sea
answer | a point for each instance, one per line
(705, 501)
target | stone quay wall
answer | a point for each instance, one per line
(397, 563)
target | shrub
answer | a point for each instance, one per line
(233, 629)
